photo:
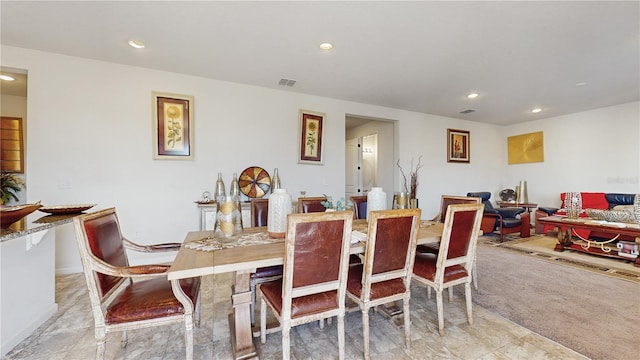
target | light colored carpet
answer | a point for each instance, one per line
(592, 313)
(543, 247)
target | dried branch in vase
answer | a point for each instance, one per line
(412, 189)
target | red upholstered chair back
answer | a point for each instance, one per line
(460, 235)
(259, 212)
(104, 241)
(317, 252)
(394, 231)
(447, 200)
(316, 256)
(311, 204)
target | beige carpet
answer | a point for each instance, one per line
(542, 246)
(592, 312)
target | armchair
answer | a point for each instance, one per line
(504, 220)
(125, 297)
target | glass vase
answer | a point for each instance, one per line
(228, 217)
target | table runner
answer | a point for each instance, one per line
(211, 243)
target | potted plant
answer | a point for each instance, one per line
(10, 186)
(340, 205)
(412, 188)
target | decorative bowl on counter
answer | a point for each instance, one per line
(11, 214)
(66, 209)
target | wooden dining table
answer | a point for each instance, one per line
(244, 260)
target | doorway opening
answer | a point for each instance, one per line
(370, 150)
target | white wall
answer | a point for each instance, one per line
(597, 150)
(90, 127)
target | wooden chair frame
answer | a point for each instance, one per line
(364, 301)
(357, 202)
(93, 265)
(443, 261)
(304, 202)
(289, 292)
(260, 276)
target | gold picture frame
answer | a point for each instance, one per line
(458, 146)
(172, 126)
(526, 148)
(310, 137)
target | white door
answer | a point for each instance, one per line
(353, 163)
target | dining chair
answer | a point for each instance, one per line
(259, 217)
(311, 204)
(445, 201)
(314, 281)
(452, 265)
(359, 206)
(314, 204)
(125, 297)
(385, 276)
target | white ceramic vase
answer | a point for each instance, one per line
(279, 208)
(376, 200)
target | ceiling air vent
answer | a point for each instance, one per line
(286, 82)
(468, 111)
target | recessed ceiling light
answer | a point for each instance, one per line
(136, 44)
(536, 110)
(472, 95)
(6, 78)
(581, 84)
(326, 46)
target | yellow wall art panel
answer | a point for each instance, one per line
(526, 148)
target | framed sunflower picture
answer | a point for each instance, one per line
(172, 126)
(311, 127)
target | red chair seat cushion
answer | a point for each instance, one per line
(425, 267)
(149, 299)
(378, 290)
(301, 306)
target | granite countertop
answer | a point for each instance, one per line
(33, 223)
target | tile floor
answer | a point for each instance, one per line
(68, 335)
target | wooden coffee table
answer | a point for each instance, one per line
(603, 247)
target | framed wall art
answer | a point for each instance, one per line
(458, 146)
(172, 126)
(526, 148)
(310, 136)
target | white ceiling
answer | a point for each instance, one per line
(422, 56)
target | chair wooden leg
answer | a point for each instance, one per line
(341, 337)
(450, 294)
(263, 321)
(321, 323)
(474, 274)
(439, 306)
(365, 332)
(252, 306)
(286, 340)
(467, 294)
(101, 339)
(188, 337)
(428, 292)
(407, 322)
(197, 310)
